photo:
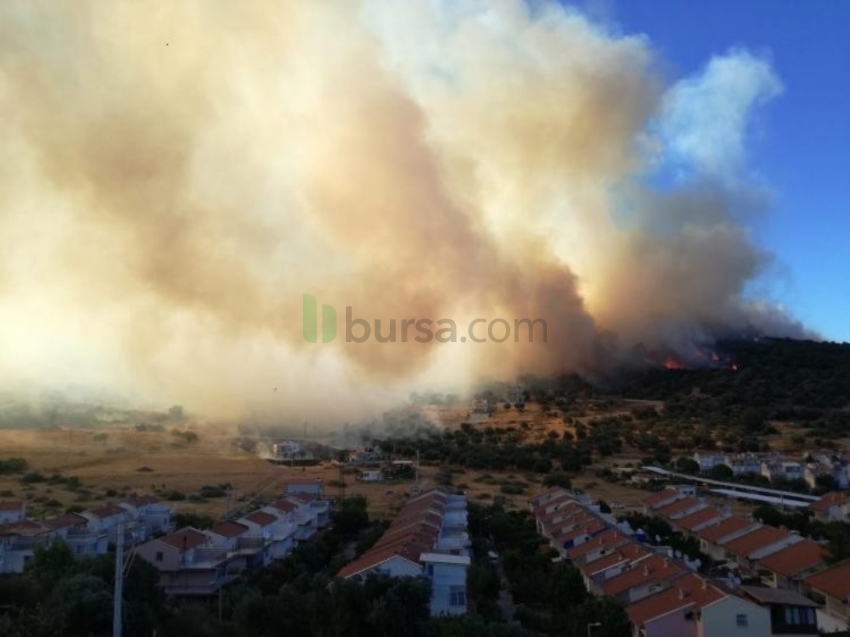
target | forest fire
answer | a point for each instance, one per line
(673, 363)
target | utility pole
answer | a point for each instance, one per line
(119, 582)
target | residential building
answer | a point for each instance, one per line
(832, 507)
(692, 606)
(714, 538)
(749, 548)
(790, 612)
(427, 538)
(831, 587)
(782, 470)
(787, 567)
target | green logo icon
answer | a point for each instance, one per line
(311, 321)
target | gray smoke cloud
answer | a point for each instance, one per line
(176, 176)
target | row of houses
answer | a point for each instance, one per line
(764, 554)
(428, 537)
(199, 562)
(87, 533)
(778, 468)
(664, 596)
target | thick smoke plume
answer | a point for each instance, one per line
(176, 175)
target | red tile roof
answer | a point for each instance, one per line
(185, 539)
(661, 496)
(834, 581)
(612, 538)
(65, 521)
(261, 517)
(728, 526)
(833, 498)
(536, 501)
(229, 529)
(591, 527)
(679, 505)
(11, 505)
(794, 559)
(755, 540)
(414, 531)
(107, 511)
(284, 505)
(690, 592)
(651, 570)
(21, 527)
(702, 516)
(628, 552)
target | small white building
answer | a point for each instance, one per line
(12, 511)
(372, 476)
(447, 573)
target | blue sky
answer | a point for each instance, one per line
(798, 143)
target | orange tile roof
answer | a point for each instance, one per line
(728, 526)
(285, 506)
(261, 517)
(654, 569)
(11, 505)
(679, 505)
(659, 497)
(690, 592)
(590, 528)
(65, 521)
(107, 511)
(794, 559)
(833, 498)
(834, 581)
(185, 539)
(370, 560)
(755, 540)
(628, 552)
(702, 516)
(229, 529)
(536, 500)
(611, 538)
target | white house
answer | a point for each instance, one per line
(447, 573)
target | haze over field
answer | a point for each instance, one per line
(176, 176)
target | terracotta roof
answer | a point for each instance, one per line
(755, 540)
(702, 516)
(414, 531)
(552, 505)
(794, 559)
(628, 552)
(65, 521)
(107, 511)
(834, 581)
(185, 539)
(593, 526)
(653, 569)
(21, 527)
(690, 592)
(726, 527)
(661, 496)
(612, 538)
(261, 517)
(229, 529)
(11, 505)
(678, 506)
(284, 505)
(534, 502)
(833, 498)
(370, 560)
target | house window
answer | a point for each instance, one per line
(457, 596)
(159, 556)
(741, 620)
(430, 570)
